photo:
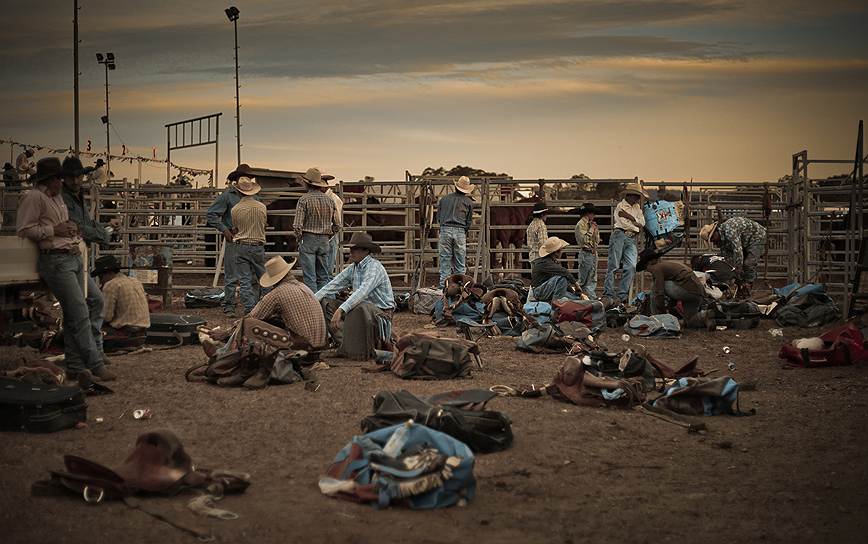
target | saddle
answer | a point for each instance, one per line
(505, 300)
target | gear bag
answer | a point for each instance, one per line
(734, 315)
(423, 357)
(844, 345)
(811, 309)
(40, 408)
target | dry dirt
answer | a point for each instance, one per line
(795, 472)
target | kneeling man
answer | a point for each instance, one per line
(677, 282)
(362, 322)
(125, 313)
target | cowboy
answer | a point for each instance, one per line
(99, 173)
(24, 164)
(549, 279)
(623, 251)
(73, 197)
(455, 215)
(219, 216)
(125, 314)
(314, 225)
(249, 218)
(363, 322)
(44, 219)
(588, 240)
(334, 242)
(677, 282)
(742, 242)
(537, 233)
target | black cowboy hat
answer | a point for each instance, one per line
(364, 241)
(106, 263)
(8, 166)
(647, 255)
(47, 168)
(99, 162)
(242, 170)
(587, 207)
(540, 208)
(72, 167)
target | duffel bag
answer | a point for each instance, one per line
(844, 345)
(423, 357)
(541, 312)
(734, 315)
(543, 338)
(40, 408)
(808, 310)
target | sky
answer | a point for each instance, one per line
(662, 89)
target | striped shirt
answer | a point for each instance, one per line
(249, 218)
(294, 302)
(369, 282)
(537, 233)
(125, 303)
(38, 214)
(315, 213)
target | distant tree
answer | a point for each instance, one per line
(459, 170)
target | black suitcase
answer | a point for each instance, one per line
(735, 315)
(38, 408)
(209, 297)
(174, 329)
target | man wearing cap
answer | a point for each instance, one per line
(249, 218)
(219, 216)
(125, 314)
(73, 197)
(623, 251)
(44, 219)
(99, 174)
(314, 225)
(588, 240)
(363, 322)
(455, 215)
(676, 281)
(334, 242)
(549, 279)
(537, 233)
(24, 164)
(742, 242)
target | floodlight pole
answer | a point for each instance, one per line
(108, 145)
(237, 93)
(75, 72)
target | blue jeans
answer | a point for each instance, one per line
(313, 257)
(82, 316)
(588, 273)
(333, 256)
(452, 248)
(230, 276)
(553, 289)
(250, 264)
(690, 304)
(622, 254)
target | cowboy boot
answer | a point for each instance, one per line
(260, 379)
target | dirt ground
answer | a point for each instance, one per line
(795, 472)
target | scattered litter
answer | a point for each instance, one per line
(625, 337)
(143, 413)
(727, 350)
(320, 365)
(313, 387)
(98, 419)
(731, 366)
(776, 332)
(720, 328)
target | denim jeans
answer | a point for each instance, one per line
(333, 257)
(82, 316)
(752, 255)
(622, 254)
(313, 257)
(588, 273)
(230, 276)
(452, 248)
(690, 304)
(552, 289)
(250, 265)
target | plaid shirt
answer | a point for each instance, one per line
(537, 233)
(315, 213)
(294, 302)
(125, 303)
(369, 282)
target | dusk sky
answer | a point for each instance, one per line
(669, 89)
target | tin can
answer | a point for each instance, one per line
(731, 366)
(143, 413)
(727, 350)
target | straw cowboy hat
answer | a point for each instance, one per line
(241, 170)
(364, 241)
(314, 177)
(275, 270)
(551, 245)
(463, 184)
(706, 232)
(72, 167)
(635, 189)
(247, 186)
(47, 168)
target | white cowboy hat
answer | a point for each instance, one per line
(247, 186)
(463, 184)
(275, 270)
(314, 177)
(706, 232)
(551, 245)
(635, 189)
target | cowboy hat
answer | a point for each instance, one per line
(706, 232)
(314, 177)
(540, 208)
(47, 168)
(647, 255)
(99, 162)
(106, 263)
(275, 270)
(247, 186)
(241, 170)
(635, 189)
(551, 245)
(587, 207)
(463, 184)
(72, 167)
(364, 241)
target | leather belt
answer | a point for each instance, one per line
(627, 233)
(249, 242)
(61, 251)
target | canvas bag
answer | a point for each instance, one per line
(653, 325)
(590, 313)
(811, 309)
(735, 315)
(541, 312)
(543, 338)
(424, 357)
(701, 397)
(844, 345)
(423, 300)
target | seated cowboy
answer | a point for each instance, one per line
(363, 322)
(677, 282)
(125, 313)
(549, 279)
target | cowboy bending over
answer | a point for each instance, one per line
(742, 242)
(677, 282)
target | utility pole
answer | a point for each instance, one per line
(232, 13)
(108, 61)
(75, 72)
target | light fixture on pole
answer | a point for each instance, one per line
(107, 60)
(232, 13)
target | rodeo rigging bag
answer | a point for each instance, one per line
(422, 357)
